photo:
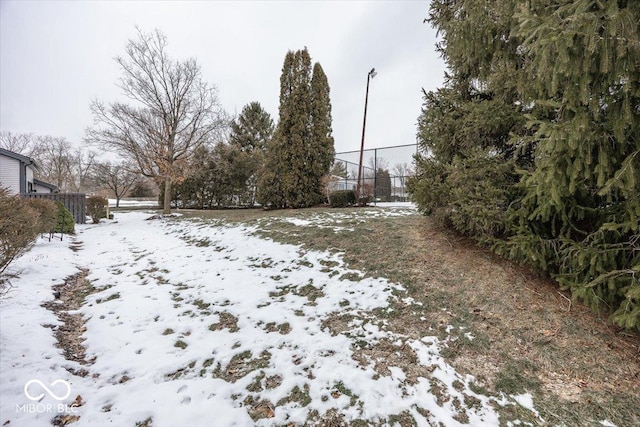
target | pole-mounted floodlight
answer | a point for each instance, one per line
(371, 74)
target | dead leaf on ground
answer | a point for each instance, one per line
(263, 409)
(64, 420)
(77, 402)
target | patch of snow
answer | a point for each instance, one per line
(526, 401)
(406, 205)
(196, 319)
(130, 203)
(299, 222)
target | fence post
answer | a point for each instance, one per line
(375, 176)
(346, 176)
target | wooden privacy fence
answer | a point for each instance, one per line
(74, 202)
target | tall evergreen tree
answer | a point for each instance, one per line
(535, 141)
(250, 133)
(466, 179)
(270, 184)
(581, 212)
(295, 159)
(382, 182)
(323, 152)
(253, 128)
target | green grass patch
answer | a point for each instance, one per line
(300, 396)
(340, 389)
(517, 377)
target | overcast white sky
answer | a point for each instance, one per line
(58, 55)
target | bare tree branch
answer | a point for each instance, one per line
(26, 144)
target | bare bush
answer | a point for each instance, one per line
(48, 213)
(96, 208)
(20, 225)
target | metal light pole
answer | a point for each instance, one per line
(371, 74)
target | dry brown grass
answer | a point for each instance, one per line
(528, 335)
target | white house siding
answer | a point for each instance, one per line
(29, 186)
(10, 174)
(41, 189)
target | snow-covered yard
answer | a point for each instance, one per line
(201, 323)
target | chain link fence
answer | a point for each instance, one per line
(384, 172)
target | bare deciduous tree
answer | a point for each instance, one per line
(54, 161)
(81, 163)
(176, 112)
(378, 163)
(26, 144)
(117, 177)
(402, 171)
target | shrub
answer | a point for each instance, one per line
(364, 200)
(47, 212)
(19, 227)
(64, 222)
(343, 198)
(366, 193)
(96, 208)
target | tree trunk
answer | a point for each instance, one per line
(166, 209)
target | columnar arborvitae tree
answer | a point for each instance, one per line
(296, 160)
(549, 90)
(323, 151)
(270, 185)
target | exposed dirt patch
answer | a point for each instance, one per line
(69, 296)
(241, 365)
(260, 410)
(385, 354)
(337, 323)
(227, 320)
